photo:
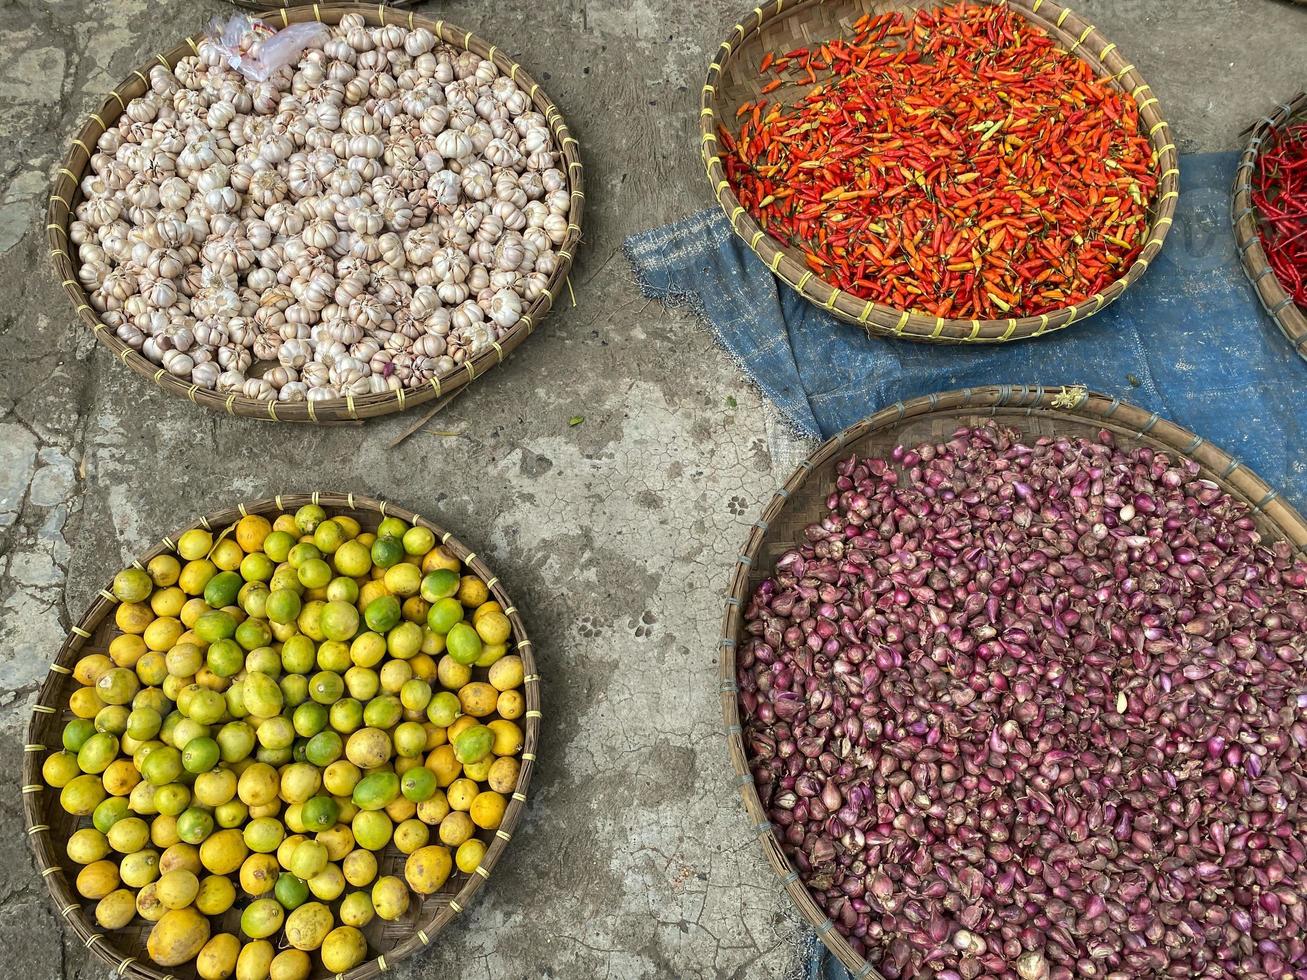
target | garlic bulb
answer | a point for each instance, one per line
(363, 220)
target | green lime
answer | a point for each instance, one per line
(308, 517)
(382, 613)
(143, 723)
(109, 812)
(76, 732)
(235, 741)
(383, 712)
(410, 739)
(303, 552)
(340, 620)
(290, 891)
(372, 829)
(285, 577)
(376, 790)
(404, 641)
(440, 584)
(326, 687)
(262, 918)
(276, 732)
(257, 567)
(215, 625)
(132, 585)
(97, 752)
(309, 719)
(222, 588)
(353, 558)
(162, 766)
(206, 707)
(342, 589)
(264, 659)
(294, 690)
(444, 708)
(314, 573)
(418, 784)
(200, 755)
(188, 728)
(346, 716)
(194, 825)
(415, 694)
(463, 644)
(319, 813)
(362, 683)
(334, 655)
(328, 536)
(387, 551)
(277, 545)
(418, 540)
(112, 718)
(392, 527)
(324, 748)
(298, 654)
(283, 606)
(172, 800)
(225, 657)
(117, 686)
(444, 613)
(253, 599)
(264, 834)
(253, 633)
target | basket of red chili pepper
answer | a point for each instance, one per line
(976, 172)
(1269, 212)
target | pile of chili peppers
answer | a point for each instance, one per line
(1280, 196)
(956, 163)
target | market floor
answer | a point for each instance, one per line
(614, 534)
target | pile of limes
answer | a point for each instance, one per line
(283, 703)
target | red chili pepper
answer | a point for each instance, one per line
(1279, 193)
(956, 162)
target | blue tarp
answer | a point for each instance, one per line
(1189, 342)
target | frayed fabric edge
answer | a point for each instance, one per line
(691, 302)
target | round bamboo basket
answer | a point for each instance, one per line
(49, 827)
(778, 25)
(66, 194)
(1288, 316)
(1034, 411)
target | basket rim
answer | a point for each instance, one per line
(1246, 223)
(1073, 403)
(65, 192)
(66, 900)
(878, 319)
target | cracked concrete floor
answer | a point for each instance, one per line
(615, 535)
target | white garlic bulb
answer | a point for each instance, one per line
(364, 219)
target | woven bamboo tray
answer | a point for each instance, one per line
(66, 194)
(1291, 320)
(49, 826)
(1034, 411)
(733, 78)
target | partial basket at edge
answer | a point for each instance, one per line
(733, 78)
(49, 826)
(1291, 320)
(66, 194)
(1031, 409)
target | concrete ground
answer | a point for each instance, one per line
(614, 535)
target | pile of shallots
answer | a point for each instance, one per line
(1038, 710)
(366, 218)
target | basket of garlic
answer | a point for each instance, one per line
(371, 224)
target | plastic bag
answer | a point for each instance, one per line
(255, 50)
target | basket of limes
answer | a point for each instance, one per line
(291, 741)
